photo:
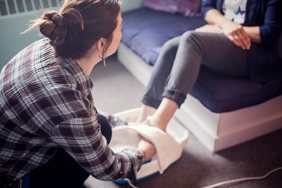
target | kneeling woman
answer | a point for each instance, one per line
(49, 130)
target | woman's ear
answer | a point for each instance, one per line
(101, 43)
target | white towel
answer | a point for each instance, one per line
(168, 148)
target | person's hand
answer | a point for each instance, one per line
(147, 148)
(236, 34)
(209, 28)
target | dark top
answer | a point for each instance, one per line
(266, 14)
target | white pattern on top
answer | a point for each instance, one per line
(235, 10)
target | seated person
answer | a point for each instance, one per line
(239, 40)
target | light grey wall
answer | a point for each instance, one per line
(11, 41)
(127, 5)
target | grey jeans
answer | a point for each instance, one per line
(181, 58)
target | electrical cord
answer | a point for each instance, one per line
(243, 179)
(229, 181)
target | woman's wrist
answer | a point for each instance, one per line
(220, 25)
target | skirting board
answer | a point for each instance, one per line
(216, 131)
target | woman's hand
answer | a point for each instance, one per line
(236, 34)
(147, 148)
(209, 28)
(233, 31)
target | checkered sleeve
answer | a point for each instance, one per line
(80, 135)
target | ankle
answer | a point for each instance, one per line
(145, 111)
(163, 114)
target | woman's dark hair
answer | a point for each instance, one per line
(78, 25)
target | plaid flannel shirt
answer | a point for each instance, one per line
(45, 103)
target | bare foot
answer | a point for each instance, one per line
(145, 111)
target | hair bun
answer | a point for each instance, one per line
(53, 27)
(56, 18)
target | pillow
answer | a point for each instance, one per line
(186, 7)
